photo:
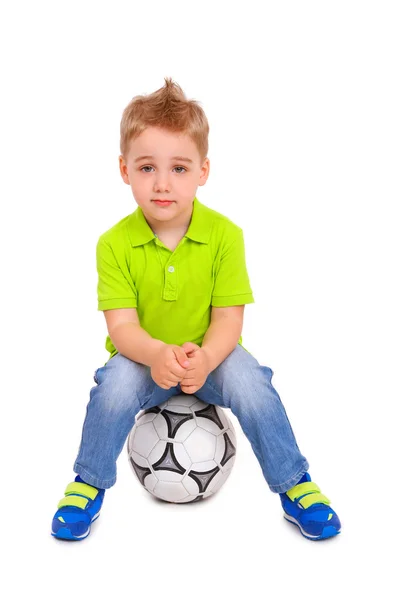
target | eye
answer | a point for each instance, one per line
(146, 167)
(181, 168)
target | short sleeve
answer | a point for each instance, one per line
(114, 290)
(232, 285)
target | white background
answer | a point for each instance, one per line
(303, 103)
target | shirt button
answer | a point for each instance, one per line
(171, 269)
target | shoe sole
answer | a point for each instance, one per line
(327, 532)
(65, 534)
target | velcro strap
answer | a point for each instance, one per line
(72, 500)
(302, 488)
(83, 489)
(313, 499)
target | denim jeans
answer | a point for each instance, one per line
(125, 387)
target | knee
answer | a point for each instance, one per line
(248, 378)
(252, 391)
(121, 385)
(242, 369)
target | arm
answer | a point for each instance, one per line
(231, 293)
(223, 333)
(129, 338)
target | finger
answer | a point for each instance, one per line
(188, 371)
(181, 374)
(188, 378)
(181, 357)
(190, 348)
(189, 389)
(170, 383)
(177, 372)
(189, 384)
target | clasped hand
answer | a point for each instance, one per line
(187, 364)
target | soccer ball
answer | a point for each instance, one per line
(182, 450)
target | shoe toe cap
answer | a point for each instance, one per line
(69, 530)
(75, 521)
(321, 519)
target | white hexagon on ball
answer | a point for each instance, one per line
(200, 445)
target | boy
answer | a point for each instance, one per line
(173, 285)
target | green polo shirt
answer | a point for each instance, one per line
(173, 292)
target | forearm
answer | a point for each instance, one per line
(220, 340)
(132, 341)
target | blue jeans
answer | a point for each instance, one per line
(125, 387)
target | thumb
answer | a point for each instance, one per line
(190, 347)
(181, 357)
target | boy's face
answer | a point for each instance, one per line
(164, 176)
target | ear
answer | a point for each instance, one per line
(123, 170)
(205, 171)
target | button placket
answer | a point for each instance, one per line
(170, 283)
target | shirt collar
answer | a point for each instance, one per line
(199, 229)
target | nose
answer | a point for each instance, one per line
(161, 183)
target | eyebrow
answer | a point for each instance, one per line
(181, 158)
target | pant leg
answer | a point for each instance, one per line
(243, 385)
(123, 388)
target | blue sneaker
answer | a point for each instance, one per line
(77, 511)
(306, 507)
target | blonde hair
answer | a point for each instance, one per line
(168, 108)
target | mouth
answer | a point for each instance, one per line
(163, 202)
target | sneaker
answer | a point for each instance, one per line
(77, 511)
(306, 507)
